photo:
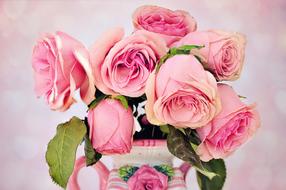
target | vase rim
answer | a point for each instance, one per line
(150, 142)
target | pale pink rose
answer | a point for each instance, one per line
(148, 178)
(61, 66)
(182, 94)
(231, 128)
(171, 25)
(223, 53)
(123, 65)
(111, 127)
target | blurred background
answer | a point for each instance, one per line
(27, 124)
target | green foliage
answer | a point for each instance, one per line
(179, 145)
(216, 183)
(164, 128)
(126, 172)
(61, 151)
(91, 155)
(96, 101)
(122, 99)
(166, 170)
(192, 136)
(242, 97)
(183, 50)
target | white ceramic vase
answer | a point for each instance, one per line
(144, 152)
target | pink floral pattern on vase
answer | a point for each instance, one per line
(147, 178)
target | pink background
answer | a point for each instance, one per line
(27, 124)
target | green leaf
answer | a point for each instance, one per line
(192, 136)
(178, 144)
(61, 151)
(162, 61)
(166, 170)
(164, 128)
(188, 48)
(125, 172)
(91, 155)
(182, 50)
(216, 183)
(242, 97)
(181, 148)
(96, 101)
(123, 100)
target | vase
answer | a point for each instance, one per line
(147, 152)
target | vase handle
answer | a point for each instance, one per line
(100, 168)
(185, 168)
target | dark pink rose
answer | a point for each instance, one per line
(61, 66)
(171, 25)
(230, 129)
(148, 178)
(111, 127)
(123, 65)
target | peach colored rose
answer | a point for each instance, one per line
(171, 25)
(223, 53)
(61, 66)
(111, 127)
(182, 94)
(231, 128)
(122, 66)
(148, 178)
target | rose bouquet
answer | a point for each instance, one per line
(163, 81)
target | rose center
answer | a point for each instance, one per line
(236, 129)
(132, 65)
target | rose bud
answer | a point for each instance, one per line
(148, 178)
(61, 67)
(171, 25)
(231, 128)
(223, 52)
(111, 127)
(182, 94)
(122, 66)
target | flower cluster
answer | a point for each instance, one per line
(177, 70)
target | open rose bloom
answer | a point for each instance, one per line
(182, 94)
(123, 65)
(151, 95)
(171, 25)
(61, 66)
(222, 54)
(231, 128)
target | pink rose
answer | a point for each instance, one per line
(122, 66)
(182, 94)
(61, 67)
(148, 178)
(223, 53)
(231, 128)
(111, 127)
(171, 25)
